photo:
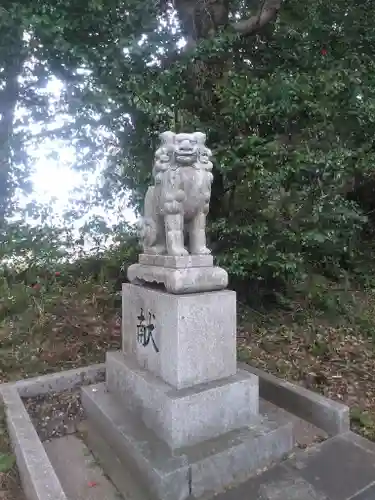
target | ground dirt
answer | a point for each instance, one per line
(65, 328)
(331, 354)
(57, 414)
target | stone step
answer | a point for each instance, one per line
(79, 474)
(340, 468)
(207, 467)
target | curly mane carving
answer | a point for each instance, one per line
(178, 202)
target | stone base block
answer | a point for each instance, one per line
(176, 262)
(186, 416)
(182, 280)
(205, 468)
(184, 339)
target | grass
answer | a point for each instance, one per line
(63, 328)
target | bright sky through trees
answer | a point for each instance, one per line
(55, 181)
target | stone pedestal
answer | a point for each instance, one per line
(184, 339)
(179, 275)
(175, 410)
(178, 368)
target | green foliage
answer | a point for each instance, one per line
(28, 250)
(288, 110)
(290, 118)
(363, 422)
(301, 125)
(7, 462)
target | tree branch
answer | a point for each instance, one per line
(267, 12)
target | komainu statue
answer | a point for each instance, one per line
(176, 206)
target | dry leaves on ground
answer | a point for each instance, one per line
(337, 362)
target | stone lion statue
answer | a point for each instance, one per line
(176, 206)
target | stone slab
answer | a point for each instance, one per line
(338, 467)
(360, 441)
(208, 467)
(277, 483)
(366, 494)
(186, 416)
(38, 478)
(176, 262)
(193, 337)
(180, 281)
(58, 382)
(331, 416)
(40, 481)
(77, 470)
(234, 457)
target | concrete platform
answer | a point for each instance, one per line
(341, 468)
(194, 470)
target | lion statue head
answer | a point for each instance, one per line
(182, 150)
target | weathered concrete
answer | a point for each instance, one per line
(277, 483)
(194, 335)
(366, 494)
(338, 467)
(79, 474)
(186, 416)
(149, 459)
(326, 466)
(180, 281)
(176, 262)
(360, 441)
(304, 433)
(168, 475)
(215, 467)
(123, 476)
(329, 415)
(341, 468)
(39, 480)
(58, 382)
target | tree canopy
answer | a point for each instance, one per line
(285, 92)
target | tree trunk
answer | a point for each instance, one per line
(11, 63)
(201, 19)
